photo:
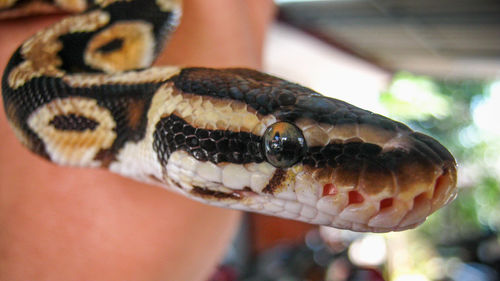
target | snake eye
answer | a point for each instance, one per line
(284, 144)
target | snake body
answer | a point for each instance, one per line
(79, 93)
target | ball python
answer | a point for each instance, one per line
(82, 93)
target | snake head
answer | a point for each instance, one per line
(254, 142)
(355, 169)
(364, 182)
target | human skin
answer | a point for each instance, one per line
(62, 223)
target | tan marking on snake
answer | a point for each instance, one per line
(73, 147)
(137, 50)
(321, 134)
(208, 112)
(72, 5)
(169, 5)
(150, 75)
(215, 114)
(377, 182)
(416, 179)
(105, 3)
(34, 7)
(40, 51)
(4, 4)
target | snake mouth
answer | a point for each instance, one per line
(342, 209)
(354, 210)
(397, 196)
(414, 212)
(335, 206)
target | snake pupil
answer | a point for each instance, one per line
(284, 144)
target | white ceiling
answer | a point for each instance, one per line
(444, 38)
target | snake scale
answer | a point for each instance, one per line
(80, 93)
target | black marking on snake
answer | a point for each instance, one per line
(111, 46)
(355, 158)
(173, 133)
(73, 122)
(72, 55)
(74, 44)
(271, 95)
(203, 192)
(146, 11)
(262, 92)
(106, 157)
(275, 181)
(335, 154)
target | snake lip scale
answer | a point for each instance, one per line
(81, 93)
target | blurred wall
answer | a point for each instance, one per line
(298, 57)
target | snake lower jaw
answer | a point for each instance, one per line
(344, 209)
(399, 212)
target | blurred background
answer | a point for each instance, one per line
(435, 65)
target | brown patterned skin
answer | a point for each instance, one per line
(78, 94)
(52, 224)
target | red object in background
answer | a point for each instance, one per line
(267, 232)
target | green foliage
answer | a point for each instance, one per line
(415, 98)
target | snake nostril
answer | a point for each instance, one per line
(386, 203)
(355, 197)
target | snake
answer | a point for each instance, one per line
(82, 93)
